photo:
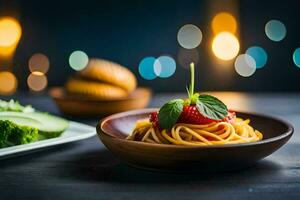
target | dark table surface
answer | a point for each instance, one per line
(87, 170)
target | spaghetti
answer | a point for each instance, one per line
(199, 120)
(215, 133)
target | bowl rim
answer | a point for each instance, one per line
(287, 134)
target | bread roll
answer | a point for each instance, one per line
(94, 89)
(110, 73)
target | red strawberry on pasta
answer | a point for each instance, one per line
(191, 115)
(154, 119)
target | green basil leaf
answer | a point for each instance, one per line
(211, 107)
(169, 113)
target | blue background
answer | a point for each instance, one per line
(128, 31)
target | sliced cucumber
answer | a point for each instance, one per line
(48, 125)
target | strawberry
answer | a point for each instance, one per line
(154, 119)
(230, 117)
(191, 115)
(197, 109)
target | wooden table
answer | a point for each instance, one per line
(87, 170)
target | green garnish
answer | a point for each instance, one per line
(211, 107)
(169, 113)
(207, 105)
(192, 83)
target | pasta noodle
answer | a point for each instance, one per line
(215, 133)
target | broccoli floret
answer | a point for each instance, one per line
(13, 134)
(23, 135)
(6, 128)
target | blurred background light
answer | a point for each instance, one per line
(245, 65)
(259, 55)
(78, 60)
(7, 51)
(39, 63)
(146, 68)
(189, 36)
(8, 83)
(10, 34)
(186, 56)
(275, 30)
(296, 57)
(225, 46)
(37, 81)
(224, 22)
(164, 66)
(10, 31)
(43, 34)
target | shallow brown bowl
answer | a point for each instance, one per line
(75, 105)
(113, 130)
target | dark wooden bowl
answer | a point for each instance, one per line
(75, 105)
(113, 130)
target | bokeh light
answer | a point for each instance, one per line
(8, 83)
(10, 31)
(186, 56)
(164, 66)
(7, 52)
(275, 30)
(146, 68)
(37, 81)
(245, 65)
(189, 36)
(296, 57)
(225, 46)
(259, 54)
(224, 22)
(78, 60)
(10, 34)
(39, 63)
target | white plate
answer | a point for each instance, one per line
(76, 131)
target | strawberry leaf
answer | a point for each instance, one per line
(211, 107)
(169, 113)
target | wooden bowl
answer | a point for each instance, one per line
(75, 105)
(113, 130)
